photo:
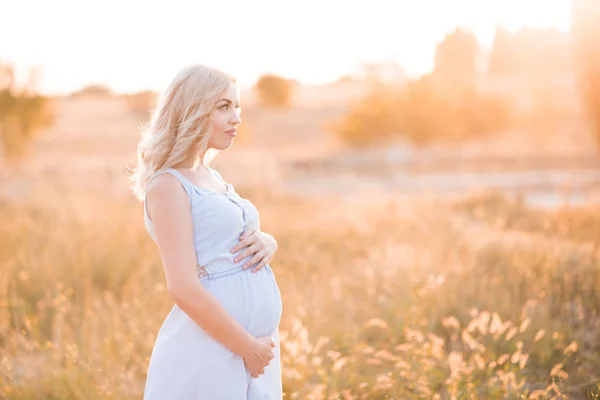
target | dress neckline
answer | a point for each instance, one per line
(212, 171)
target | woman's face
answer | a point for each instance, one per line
(225, 118)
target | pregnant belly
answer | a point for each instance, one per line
(253, 299)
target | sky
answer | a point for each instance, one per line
(133, 45)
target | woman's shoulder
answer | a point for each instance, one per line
(165, 186)
(164, 191)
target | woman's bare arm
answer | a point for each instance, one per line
(169, 208)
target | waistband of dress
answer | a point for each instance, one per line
(215, 271)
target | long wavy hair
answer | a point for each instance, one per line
(179, 128)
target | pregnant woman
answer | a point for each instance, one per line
(220, 339)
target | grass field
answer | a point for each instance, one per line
(384, 298)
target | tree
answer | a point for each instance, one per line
(23, 114)
(503, 61)
(585, 29)
(140, 104)
(456, 59)
(93, 90)
(530, 53)
(422, 113)
(274, 91)
(382, 72)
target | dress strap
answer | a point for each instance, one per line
(217, 174)
(187, 185)
(184, 182)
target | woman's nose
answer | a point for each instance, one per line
(236, 119)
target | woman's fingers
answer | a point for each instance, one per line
(258, 373)
(247, 233)
(250, 250)
(248, 239)
(262, 263)
(257, 257)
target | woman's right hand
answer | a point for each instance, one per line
(260, 355)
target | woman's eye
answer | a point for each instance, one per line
(224, 106)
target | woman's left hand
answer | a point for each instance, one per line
(256, 242)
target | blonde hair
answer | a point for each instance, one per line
(180, 124)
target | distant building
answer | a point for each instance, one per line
(532, 65)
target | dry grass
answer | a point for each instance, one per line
(481, 299)
(381, 300)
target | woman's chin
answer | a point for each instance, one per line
(222, 143)
(226, 144)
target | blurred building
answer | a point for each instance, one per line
(530, 66)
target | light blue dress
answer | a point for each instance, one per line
(186, 363)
